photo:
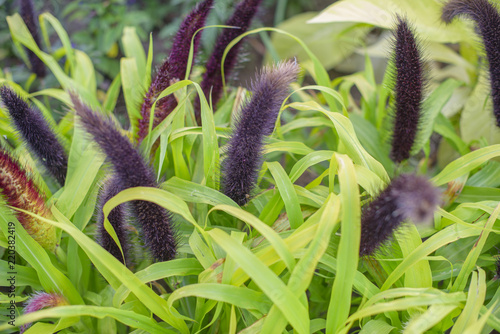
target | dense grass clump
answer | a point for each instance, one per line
(275, 204)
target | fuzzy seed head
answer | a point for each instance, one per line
(487, 19)
(127, 162)
(244, 155)
(36, 132)
(182, 42)
(174, 67)
(41, 300)
(131, 170)
(27, 12)
(407, 197)
(408, 91)
(117, 218)
(212, 78)
(20, 192)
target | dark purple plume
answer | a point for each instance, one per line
(407, 197)
(131, 170)
(241, 167)
(37, 134)
(486, 16)
(408, 91)
(174, 67)
(28, 14)
(212, 78)
(117, 218)
(182, 43)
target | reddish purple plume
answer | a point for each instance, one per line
(21, 192)
(41, 300)
(37, 134)
(212, 78)
(174, 67)
(408, 91)
(241, 167)
(407, 197)
(487, 18)
(28, 14)
(131, 170)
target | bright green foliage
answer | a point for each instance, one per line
(288, 260)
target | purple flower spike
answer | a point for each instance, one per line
(182, 43)
(174, 67)
(132, 171)
(488, 23)
(408, 91)
(407, 197)
(212, 78)
(28, 15)
(117, 218)
(241, 167)
(37, 134)
(41, 300)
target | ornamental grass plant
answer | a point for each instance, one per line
(297, 201)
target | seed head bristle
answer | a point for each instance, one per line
(131, 170)
(40, 300)
(27, 12)
(212, 78)
(20, 191)
(407, 197)
(37, 134)
(487, 19)
(408, 91)
(257, 118)
(173, 68)
(117, 218)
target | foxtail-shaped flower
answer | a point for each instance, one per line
(241, 166)
(28, 14)
(21, 192)
(212, 78)
(117, 218)
(41, 300)
(174, 67)
(487, 18)
(408, 91)
(131, 170)
(406, 197)
(37, 134)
